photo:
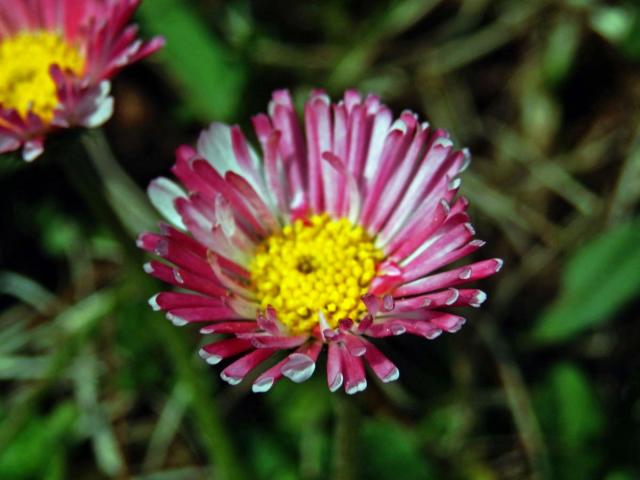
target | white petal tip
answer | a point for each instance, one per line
(177, 321)
(299, 368)
(230, 380)
(433, 335)
(478, 299)
(209, 358)
(499, 263)
(455, 183)
(470, 228)
(356, 387)
(467, 160)
(103, 112)
(147, 267)
(397, 329)
(392, 376)
(32, 150)
(453, 297)
(358, 351)
(465, 274)
(153, 303)
(321, 96)
(456, 328)
(443, 142)
(337, 383)
(162, 194)
(178, 276)
(399, 125)
(263, 385)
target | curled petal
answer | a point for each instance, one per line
(381, 365)
(269, 377)
(214, 353)
(236, 372)
(302, 363)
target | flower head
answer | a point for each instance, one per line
(334, 237)
(57, 57)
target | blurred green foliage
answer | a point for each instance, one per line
(209, 74)
(392, 448)
(598, 280)
(573, 421)
(38, 450)
(542, 384)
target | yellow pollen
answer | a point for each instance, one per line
(315, 265)
(25, 81)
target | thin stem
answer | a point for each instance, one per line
(126, 199)
(87, 182)
(518, 400)
(346, 442)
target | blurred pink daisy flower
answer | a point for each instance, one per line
(56, 59)
(337, 235)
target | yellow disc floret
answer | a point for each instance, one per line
(315, 265)
(25, 81)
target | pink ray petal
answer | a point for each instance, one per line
(239, 369)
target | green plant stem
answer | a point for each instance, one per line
(85, 179)
(128, 203)
(345, 439)
(518, 399)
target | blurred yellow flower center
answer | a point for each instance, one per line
(312, 266)
(25, 82)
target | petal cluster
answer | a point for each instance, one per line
(102, 35)
(396, 179)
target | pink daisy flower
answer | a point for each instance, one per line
(57, 57)
(339, 234)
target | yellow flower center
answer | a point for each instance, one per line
(312, 266)
(25, 82)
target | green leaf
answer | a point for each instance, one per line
(620, 25)
(444, 428)
(60, 234)
(612, 22)
(39, 444)
(206, 70)
(577, 413)
(573, 419)
(562, 45)
(309, 405)
(270, 459)
(600, 278)
(391, 452)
